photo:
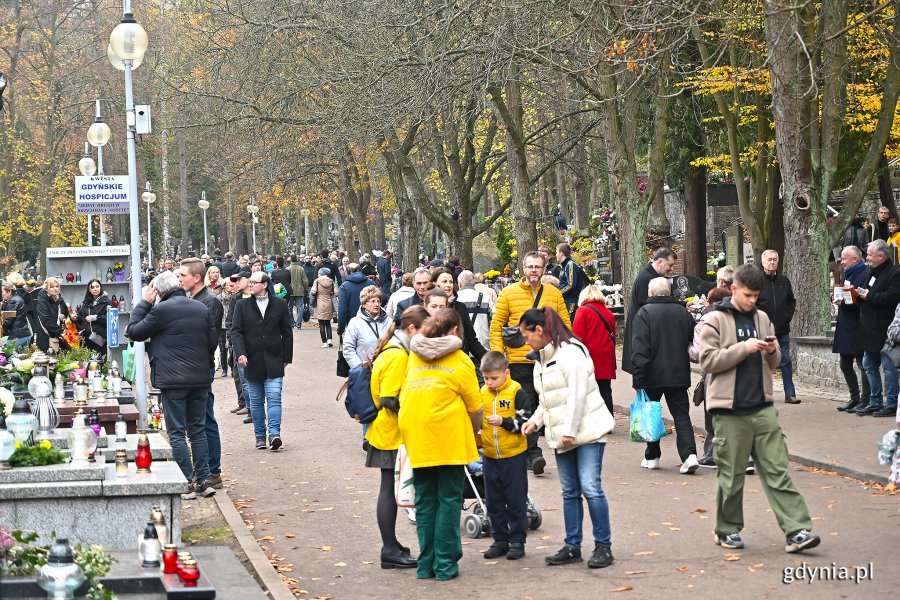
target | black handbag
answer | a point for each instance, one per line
(343, 367)
(512, 336)
(892, 351)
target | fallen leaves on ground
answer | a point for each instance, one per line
(636, 572)
(289, 535)
(340, 564)
(324, 548)
(682, 569)
(625, 588)
(652, 533)
(644, 553)
(700, 510)
(732, 557)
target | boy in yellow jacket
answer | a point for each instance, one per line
(505, 465)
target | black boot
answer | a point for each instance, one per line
(854, 402)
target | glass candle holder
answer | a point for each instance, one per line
(170, 559)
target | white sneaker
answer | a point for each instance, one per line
(651, 464)
(329, 343)
(324, 344)
(411, 514)
(690, 465)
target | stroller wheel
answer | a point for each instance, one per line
(477, 509)
(474, 526)
(535, 521)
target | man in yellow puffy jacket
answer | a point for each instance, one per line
(503, 445)
(512, 303)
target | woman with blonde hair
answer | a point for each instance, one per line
(213, 281)
(596, 328)
(441, 414)
(320, 297)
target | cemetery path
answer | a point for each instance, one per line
(311, 507)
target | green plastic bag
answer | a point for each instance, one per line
(128, 366)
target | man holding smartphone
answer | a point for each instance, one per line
(738, 351)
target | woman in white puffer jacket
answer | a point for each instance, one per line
(576, 422)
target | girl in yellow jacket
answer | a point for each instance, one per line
(388, 373)
(441, 412)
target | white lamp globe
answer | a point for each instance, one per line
(148, 197)
(118, 63)
(128, 40)
(203, 204)
(87, 166)
(98, 134)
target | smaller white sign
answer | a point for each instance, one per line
(101, 194)
(80, 251)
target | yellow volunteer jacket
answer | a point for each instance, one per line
(512, 303)
(504, 440)
(388, 373)
(436, 400)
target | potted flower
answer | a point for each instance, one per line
(119, 271)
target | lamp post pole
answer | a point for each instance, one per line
(88, 167)
(203, 204)
(129, 42)
(252, 208)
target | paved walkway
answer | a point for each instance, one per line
(311, 508)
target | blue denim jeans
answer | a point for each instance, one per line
(212, 430)
(265, 405)
(185, 410)
(871, 363)
(787, 369)
(295, 302)
(22, 342)
(579, 474)
(243, 380)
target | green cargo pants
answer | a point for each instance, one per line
(736, 438)
(439, 498)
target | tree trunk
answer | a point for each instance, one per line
(183, 197)
(885, 189)
(695, 221)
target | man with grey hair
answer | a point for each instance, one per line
(660, 266)
(662, 332)
(846, 332)
(479, 306)
(182, 339)
(878, 299)
(776, 299)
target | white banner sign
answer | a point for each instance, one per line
(101, 195)
(83, 251)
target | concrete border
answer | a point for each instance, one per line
(803, 460)
(275, 587)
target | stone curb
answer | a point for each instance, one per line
(275, 587)
(803, 460)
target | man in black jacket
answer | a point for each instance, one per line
(190, 277)
(878, 300)
(662, 332)
(660, 266)
(264, 346)
(228, 266)
(776, 299)
(182, 342)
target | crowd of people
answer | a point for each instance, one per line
(464, 374)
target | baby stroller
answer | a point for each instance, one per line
(478, 523)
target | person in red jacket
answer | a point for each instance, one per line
(595, 326)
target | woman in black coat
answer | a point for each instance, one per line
(91, 317)
(52, 312)
(443, 278)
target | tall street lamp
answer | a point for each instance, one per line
(98, 134)
(88, 167)
(203, 204)
(304, 212)
(149, 197)
(129, 42)
(253, 209)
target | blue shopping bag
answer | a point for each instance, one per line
(646, 419)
